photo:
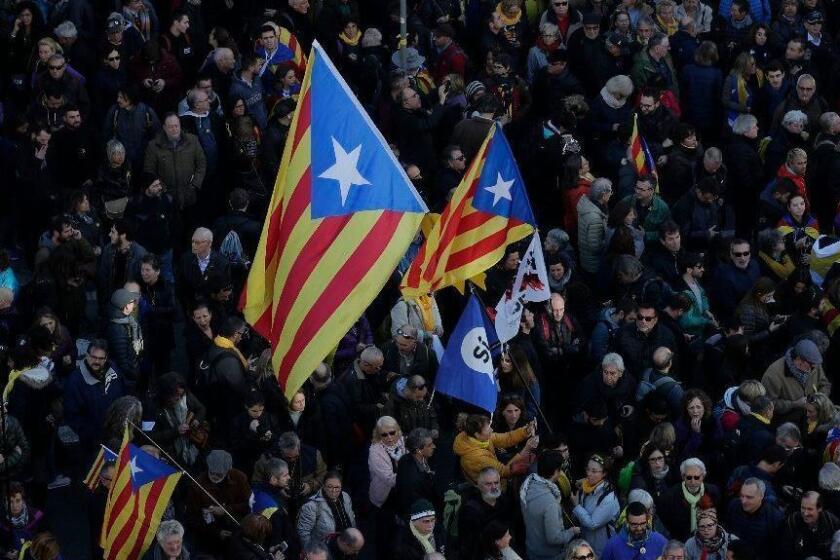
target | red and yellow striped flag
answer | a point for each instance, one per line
(142, 488)
(488, 211)
(341, 217)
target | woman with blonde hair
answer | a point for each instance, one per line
(819, 417)
(579, 549)
(665, 19)
(386, 449)
(741, 87)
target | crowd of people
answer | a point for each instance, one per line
(673, 399)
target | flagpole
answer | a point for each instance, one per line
(516, 368)
(183, 470)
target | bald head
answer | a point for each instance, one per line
(351, 541)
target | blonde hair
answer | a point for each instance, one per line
(824, 407)
(383, 422)
(750, 390)
(51, 43)
(663, 436)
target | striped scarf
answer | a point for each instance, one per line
(141, 20)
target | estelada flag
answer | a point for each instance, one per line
(640, 154)
(341, 217)
(487, 212)
(104, 457)
(141, 490)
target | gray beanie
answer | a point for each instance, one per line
(123, 297)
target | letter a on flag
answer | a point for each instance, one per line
(341, 217)
(466, 370)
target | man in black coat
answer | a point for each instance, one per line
(404, 356)
(336, 410)
(824, 171)
(75, 149)
(414, 126)
(756, 434)
(415, 478)
(808, 532)
(674, 508)
(237, 219)
(663, 258)
(367, 386)
(636, 343)
(196, 267)
(480, 505)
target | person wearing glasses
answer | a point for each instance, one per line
(679, 506)
(421, 535)
(404, 356)
(328, 511)
(792, 378)
(637, 540)
(596, 505)
(637, 342)
(710, 541)
(568, 20)
(386, 449)
(71, 86)
(88, 393)
(732, 280)
(579, 549)
(409, 404)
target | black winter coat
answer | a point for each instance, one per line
(637, 348)
(675, 513)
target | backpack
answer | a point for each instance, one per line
(231, 248)
(205, 375)
(646, 387)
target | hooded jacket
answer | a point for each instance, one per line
(125, 338)
(546, 536)
(475, 457)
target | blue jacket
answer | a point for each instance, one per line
(759, 10)
(254, 98)
(701, 87)
(620, 548)
(86, 400)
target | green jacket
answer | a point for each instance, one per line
(644, 68)
(695, 320)
(659, 212)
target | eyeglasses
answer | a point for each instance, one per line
(653, 459)
(646, 318)
(588, 556)
(57, 67)
(693, 477)
(388, 434)
(559, 4)
(741, 254)
(113, 59)
(419, 387)
(462, 157)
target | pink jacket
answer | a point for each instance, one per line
(383, 472)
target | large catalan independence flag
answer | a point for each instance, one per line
(138, 497)
(488, 211)
(285, 37)
(342, 215)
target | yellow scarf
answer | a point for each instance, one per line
(13, 376)
(426, 306)
(223, 342)
(780, 269)
(761, 418)
(668, 28)
(352, 41)
(589, 488)
(507, 20)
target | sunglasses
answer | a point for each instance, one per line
(113, 58)
(419, 387)
(741, 254)
(560, 4)
(646, 318)
(589, 556)
(389, 434)
(56, 67)
(692, 477)
(400, 331)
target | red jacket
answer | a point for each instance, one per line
(798, 180)
(451, 61)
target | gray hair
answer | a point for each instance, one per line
(656, 39)
(613, 359)
(692, 463)
(794, 117)
(409, 330)
(221, 53)
(713, 154)
(371, 38)
(488, 470)
(829, 477)
(288, 441)
(599, 188)
(169, 528)
(789, 430)
(672, 546)
(66, 30)
(275, 466)
(828, 119)
(57, 57)
(203, 234)
(191, 96)
(805, 78)
(114, 147)
(548, 28)
(757, 482)
(415, 439)
(572, 548)
(628, 265)
(620, 84)
(641, 496)
(371, 353)
(743, 123)
(558, 236)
